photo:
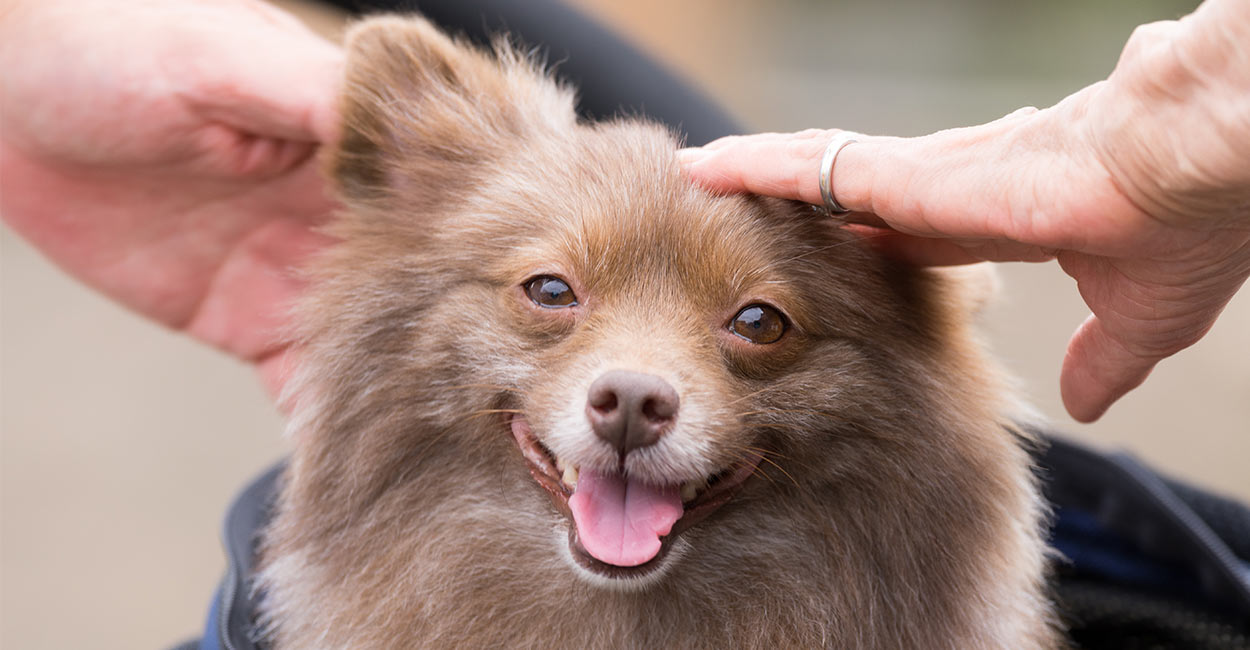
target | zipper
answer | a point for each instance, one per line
(225, 606)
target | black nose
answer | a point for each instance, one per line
(630, 410)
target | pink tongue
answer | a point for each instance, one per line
(620, 521)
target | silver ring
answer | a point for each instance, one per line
(836, 145)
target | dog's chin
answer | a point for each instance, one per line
(619, 578)
(716, 491)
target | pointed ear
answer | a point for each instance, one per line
(422, 112)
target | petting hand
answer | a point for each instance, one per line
(1139, 186)
(163, 152)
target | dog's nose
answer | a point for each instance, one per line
(630, 410)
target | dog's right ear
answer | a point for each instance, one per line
(422, 112)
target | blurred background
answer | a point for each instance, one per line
(123, 442)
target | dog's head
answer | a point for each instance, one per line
(539, 356)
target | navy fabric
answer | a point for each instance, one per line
(1088, 545)
(212, 639)
(1123, 523)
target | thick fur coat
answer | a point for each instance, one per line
(890, 504)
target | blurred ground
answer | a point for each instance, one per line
(122, 442)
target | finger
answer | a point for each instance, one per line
(930, 251)
(970, 183)
(782, 165)
(917, 250)
(721, 143)
(1098, 370)
(288, 89)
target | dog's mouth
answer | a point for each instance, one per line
(621, 527)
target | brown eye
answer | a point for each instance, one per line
(758, 324)
(550, 292)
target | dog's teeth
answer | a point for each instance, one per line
(570, 476)
(691, 489)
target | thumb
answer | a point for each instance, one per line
(268, 75)
(1099, 369)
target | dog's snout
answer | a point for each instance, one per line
(630, 410)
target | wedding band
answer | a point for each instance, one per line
(836, 145)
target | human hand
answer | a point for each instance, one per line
(163, 152)
(1139, 185)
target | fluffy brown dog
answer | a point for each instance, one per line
(555, 396)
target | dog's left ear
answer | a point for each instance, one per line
(422, 112)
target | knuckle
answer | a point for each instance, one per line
(800, 148)
(1150, 34)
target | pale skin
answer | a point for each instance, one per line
(1138, 185)
(163, 152)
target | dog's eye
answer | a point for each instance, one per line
(758, 324)
(550, 292)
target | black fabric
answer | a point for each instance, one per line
(1101, 615)
(613, 77)
(1229, 519)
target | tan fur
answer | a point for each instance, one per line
(896, 508)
